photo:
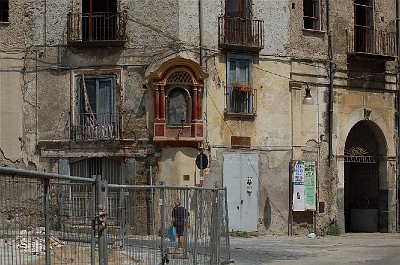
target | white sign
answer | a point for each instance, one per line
(304, 186)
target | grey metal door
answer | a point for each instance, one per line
(240, 176)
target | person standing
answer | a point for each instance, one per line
(180, 218)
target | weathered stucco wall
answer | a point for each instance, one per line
(11, 99)
(38, 75)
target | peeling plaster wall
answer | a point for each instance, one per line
(276, 15)
(45, 70)
(11, 98)
(42, 86)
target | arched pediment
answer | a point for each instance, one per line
(179, 65)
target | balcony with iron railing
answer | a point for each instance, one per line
(241, 102)
(240, 33)
(97, 29)
(366, 41)
(95, 126)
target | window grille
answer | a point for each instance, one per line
(180, 77)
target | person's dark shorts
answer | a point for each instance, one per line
(179, 229)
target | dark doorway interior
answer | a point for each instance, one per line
(99, 19)
(361, 188)
(99, 6)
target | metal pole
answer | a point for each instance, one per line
(152, 213)
(101, 219)
(93, 232)
(331, 72)
(196, 233)
(47, 219)
(214, 250)
(290, 225)
(201, 211)
(164, 254)
(122, 224)
(228, 246)
(187, 220)
(217, 228)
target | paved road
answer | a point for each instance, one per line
(375, 248)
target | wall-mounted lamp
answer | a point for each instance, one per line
(308, 100)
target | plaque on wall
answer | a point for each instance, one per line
(240, 142)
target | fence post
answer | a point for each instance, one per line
(122, 224)
(47, 219)
(102, 219)
(164, 252)
(214, 221)
(228, 243)
(186, 221)
(93, 219)
(218, 227)
(195, 226)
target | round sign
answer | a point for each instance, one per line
(201, 161)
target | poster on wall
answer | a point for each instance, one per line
(304, 186)
(310, 185)
(298, 198)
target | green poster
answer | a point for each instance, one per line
(310, 184)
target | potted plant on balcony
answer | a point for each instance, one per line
(242, 87)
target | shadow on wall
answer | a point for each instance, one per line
(267, 214)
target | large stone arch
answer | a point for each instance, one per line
(386, 156)
(378, 125)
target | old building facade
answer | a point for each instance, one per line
(135, 90)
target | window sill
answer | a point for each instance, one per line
(240, 116)
(4, 23)
(313, 32)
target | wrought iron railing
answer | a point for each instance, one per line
(96, 126)
(241, 103)
(97, 27)
(367, 40)
(242, 33)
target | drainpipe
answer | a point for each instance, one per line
(201, 30)
(331, 73)
(45, 25)
(397, 112)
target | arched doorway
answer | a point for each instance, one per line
(363, 199)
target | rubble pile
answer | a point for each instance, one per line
(33, 242)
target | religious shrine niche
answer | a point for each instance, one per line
(178, 90)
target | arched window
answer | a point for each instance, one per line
(178, 107)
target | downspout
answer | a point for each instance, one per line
(331, 72)
(397, 112)
(45, 25)
(201, 30)
(203, 65)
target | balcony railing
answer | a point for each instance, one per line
(240, 33)
(96, 126)
(240, 103)
(366, 40)
(105, 29)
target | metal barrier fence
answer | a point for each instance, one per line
(53, 219)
